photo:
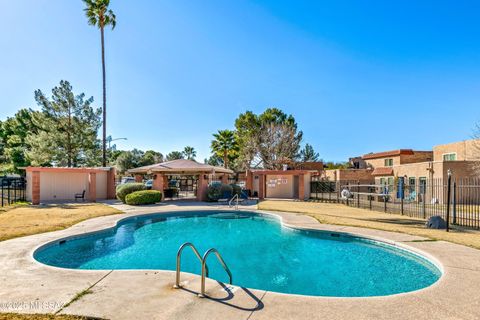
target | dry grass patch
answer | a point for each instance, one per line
(27, 220)
(17, 316)
(339, 214)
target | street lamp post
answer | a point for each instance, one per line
(110, 140)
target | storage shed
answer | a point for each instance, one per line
(47, 184)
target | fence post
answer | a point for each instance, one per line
(385, 194)
(348, 188)
(449, 184)
(8, 192)
(454, 202)
(337, 186)
(424, 209)
(329, 192)
(370, 197)
(358, 194)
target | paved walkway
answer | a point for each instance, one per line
(29, 286)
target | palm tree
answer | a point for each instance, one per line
(100, 16)
(225, 145)
(189, 153)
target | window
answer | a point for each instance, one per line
(390, 181)
(423, 184)
(411, 184)
(388, 162)
(382, 181)
(450, 156)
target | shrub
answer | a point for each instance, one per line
(217, 191)
(236, 189)
(127, 188)
(143, 197)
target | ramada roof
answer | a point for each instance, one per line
(384, 154)
(180, 166)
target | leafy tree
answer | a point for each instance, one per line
(13, 133)
(225, 146)
(127, 160)
(151, 157)
(307, 154)
(271, 138)
(336, 165)
(214, 160)
(67, 128)
(135, 158)
(100, 16)
(174, 155)
(189, 153)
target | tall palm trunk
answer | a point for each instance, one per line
(225, 159)
(104, 142)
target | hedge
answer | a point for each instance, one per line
(143, 197)
(127, 188)
(217, 191)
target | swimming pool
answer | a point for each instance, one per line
(259, 250)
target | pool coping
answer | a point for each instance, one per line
(465, 264)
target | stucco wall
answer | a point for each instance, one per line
(380, 162)
(465, 150)
(281, 189)
(306, 183)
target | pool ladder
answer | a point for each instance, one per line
(203, 261)
(230, 204)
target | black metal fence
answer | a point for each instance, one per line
(13, 189)
(421, 198)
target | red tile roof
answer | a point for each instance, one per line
(383, 171)
(385, 154)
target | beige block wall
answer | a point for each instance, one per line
(468, 150)
(280, 190)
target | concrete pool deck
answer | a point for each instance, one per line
(30, 287)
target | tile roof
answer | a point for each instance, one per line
(383, 171)
(180, 165)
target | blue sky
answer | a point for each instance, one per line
(359, 76)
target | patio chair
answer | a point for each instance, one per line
(80, 196)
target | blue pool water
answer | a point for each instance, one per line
(261, 253)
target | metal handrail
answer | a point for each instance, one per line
(233, 198)
(205, 270)
(179, 261)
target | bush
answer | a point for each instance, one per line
(143, 197)
(127, 188)
(219, 191)
(236, 189)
